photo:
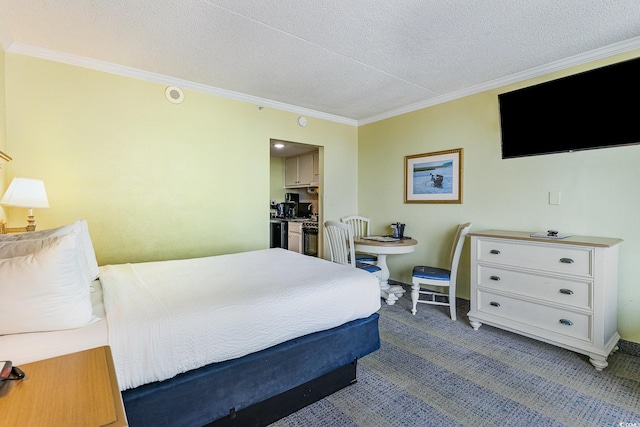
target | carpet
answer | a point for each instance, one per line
(432, 371)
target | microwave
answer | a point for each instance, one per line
(304, 210)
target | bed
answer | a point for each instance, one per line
(241, 339)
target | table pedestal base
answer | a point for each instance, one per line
(390, 293)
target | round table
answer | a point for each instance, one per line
(382, 249)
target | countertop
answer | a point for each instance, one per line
(292, 220)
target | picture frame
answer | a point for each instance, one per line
(434, 177)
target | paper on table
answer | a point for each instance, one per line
(381, 238)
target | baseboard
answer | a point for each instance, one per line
(627, 347)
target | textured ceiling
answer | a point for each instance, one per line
(356, 60)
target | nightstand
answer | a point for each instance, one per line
(78, 389)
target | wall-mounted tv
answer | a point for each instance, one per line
(594, 109)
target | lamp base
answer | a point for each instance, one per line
(31, 223)
(6, 230)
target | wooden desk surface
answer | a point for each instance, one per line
(78, 389)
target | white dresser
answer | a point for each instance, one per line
(560, 291)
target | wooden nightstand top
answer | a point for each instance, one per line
(78, 389)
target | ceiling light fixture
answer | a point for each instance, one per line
(278, 145)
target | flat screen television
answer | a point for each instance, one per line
(594, 109)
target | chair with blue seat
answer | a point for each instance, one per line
(360, 226)
(425, 278)
(339, 237)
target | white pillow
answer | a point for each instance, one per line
(85, 248)
(44, 291)
(16, 248)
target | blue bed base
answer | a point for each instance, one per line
(221, 391)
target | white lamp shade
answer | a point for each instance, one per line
(26, 193)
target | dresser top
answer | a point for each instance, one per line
(572, 240)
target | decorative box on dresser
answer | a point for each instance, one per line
(560, 291)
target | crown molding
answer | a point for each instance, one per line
(66, 58)
(594, 55)
(107, 67)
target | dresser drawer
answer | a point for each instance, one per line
(564, 259)
(565, 322)
(558, 290)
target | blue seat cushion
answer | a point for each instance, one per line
(366, 257)
(432, 273)
(367, 267)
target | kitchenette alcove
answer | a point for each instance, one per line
(295, 202)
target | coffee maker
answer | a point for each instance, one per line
(286, 209)
(294, 199)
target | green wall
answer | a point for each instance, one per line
(156, 180)
(277, 190)
(598, 189)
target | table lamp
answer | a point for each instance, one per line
(25, 193)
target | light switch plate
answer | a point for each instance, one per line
(554, 197)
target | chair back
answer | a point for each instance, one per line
(456, 249)
(340, 239)
(359, 225)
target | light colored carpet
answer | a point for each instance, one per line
(432, 371)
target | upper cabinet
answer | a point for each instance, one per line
(300, 171)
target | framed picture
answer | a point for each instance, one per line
(433, 177)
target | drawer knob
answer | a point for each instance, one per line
(566, 322)
(494, 304)
(494, 251)
(566, 291)
(496, 278)
(566, 260)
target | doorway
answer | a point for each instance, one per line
(309, 188)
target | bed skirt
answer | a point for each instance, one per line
(222, 390)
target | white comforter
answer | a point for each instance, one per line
(169, 317)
